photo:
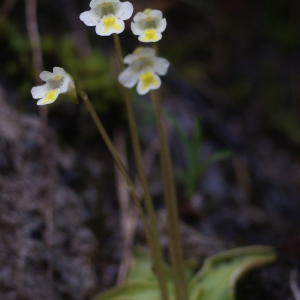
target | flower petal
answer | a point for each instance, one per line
(140, 52)
(150, 35)
(129, 58)
(39, 91)
(45, 75)
(65, 83)
(148, 81)
(162, 25)
(94, 3)
(161, 65)
(109, 25)
(125, 10)
(88, 18)
(128, 78)
(50, 97)
(136, 29)
(155, 14)
(145, 51)
(59, 71)
(139, 16)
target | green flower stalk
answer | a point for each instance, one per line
(117, 160)
(143, 69)
(181, 290)
(60, 82)
(157, 250)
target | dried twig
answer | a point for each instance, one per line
(129, 215)
(34, 37)
(33, 32)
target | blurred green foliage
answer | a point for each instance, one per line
(249, 49)
(190, 175)
(94, 73)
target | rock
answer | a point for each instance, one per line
(25, 254)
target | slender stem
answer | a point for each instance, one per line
(155, 47)
(181, 290)
(117, 160)
(119, 51)
(127, 233)
(157, 254)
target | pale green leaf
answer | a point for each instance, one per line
(132, 291)
(218, 277)
(215, 281)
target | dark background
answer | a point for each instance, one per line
(235, 65)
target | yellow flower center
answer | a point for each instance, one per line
(110, 22)
(149, 19)
(57, 77)
(150, 35)
(148, 80)
(50, 96)
(105, 4)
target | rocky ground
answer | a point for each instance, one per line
(26, 253)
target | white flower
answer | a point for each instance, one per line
(149, 25)
(57, 83)
(107, 16)
(144, 68)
